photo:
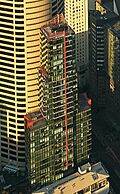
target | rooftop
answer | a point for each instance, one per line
(84, 102)
(85, 177)
(35, 118)
(55, 27)
(106, 4)
(111, 5)
(106, 17)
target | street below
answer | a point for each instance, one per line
(106, 147)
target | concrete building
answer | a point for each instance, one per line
(76, 15)
(111, 5)
(114, 64)
(99, 22)
(104, 6)
(88, 179)
(92, 4)
(20, 23)
(58, 136)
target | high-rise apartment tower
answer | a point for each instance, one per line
(99, 23)
(20, 21)
(58, 135)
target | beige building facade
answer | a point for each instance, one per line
(76, 15)
(20, 22)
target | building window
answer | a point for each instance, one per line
(86, 189)
(94, 187)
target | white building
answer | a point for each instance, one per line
(76, 14)
(88, 179)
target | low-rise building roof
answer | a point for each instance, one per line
(77, 181)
